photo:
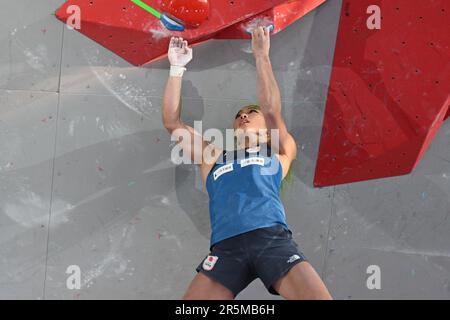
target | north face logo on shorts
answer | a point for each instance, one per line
(293, 258)
(209, 262)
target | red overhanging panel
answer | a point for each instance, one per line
(139, 37)
(280, 16)
(389, 90)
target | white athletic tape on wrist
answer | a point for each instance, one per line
(177, 71)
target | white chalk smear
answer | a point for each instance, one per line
(161, 199)
(157, 33)
(247, 47)
(37, 58)
(430, 253)
(133, 97)
(72, 128)
(166, 235)
(163, 164)
(255, 23)
(31, 210)
(113, 262)
(249, 26)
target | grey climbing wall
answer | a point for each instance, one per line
(86, 177)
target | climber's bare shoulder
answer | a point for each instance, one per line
(211, 154)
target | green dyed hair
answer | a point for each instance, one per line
(289, 179)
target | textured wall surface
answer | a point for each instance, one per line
(389, 90)
(86, 177)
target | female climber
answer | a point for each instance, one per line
(250, 237)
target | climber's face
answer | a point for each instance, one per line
(250, 120)
(250, 124)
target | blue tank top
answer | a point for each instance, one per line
(243, 187)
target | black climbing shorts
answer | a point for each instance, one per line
(266, 253)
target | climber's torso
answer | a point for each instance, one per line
(243, 188)
(206, 167)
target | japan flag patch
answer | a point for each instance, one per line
(209, 262)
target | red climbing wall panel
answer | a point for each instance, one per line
(280, 16)
(139, 37)
(389, 90)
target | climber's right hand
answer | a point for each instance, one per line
(179, 53)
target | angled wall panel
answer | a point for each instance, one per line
(389, 90)
(139, 37)
(280, 16)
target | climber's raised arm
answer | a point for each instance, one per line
(269, 96)
(190, 141)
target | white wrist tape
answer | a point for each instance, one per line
(177, 71)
